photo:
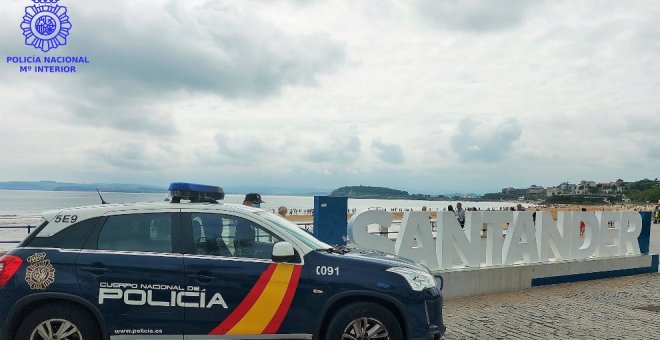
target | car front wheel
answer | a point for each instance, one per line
(364, 320)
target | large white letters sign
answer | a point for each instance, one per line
(526, 241)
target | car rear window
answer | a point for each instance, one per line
(72, 237)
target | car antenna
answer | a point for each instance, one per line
(102, 201)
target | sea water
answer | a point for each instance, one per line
(24, 207)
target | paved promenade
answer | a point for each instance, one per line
(599, 309)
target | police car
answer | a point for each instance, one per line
(193, 268)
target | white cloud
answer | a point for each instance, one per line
(416, 95)
(474, 15)
(485, 140)
(388, 152)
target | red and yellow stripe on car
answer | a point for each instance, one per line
(265, 306)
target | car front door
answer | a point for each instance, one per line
(228, 258)
(132, 270)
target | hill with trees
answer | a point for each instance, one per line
(370, 192)
(643, 191)
(362, 191)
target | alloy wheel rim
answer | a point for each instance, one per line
(365, 328)
(56, 329)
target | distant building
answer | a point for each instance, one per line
(552, 191)
(535, 190)
(566, 188)
(508, 190)
(514, 191)
(606, 187)
(610, 188)
(585, 187)
(589, 184)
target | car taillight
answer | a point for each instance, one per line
(9, 265)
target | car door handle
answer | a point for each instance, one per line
(97, 270)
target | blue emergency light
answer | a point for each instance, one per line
(195, 192)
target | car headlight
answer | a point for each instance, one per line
(417, 279)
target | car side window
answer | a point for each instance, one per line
(225, 235)
(137, 232)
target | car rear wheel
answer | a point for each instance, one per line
(364, 320)
(57, 322)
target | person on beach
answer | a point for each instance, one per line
(282, 210)
(656, 214)
(451, 208)
(460, 214)
(582, 225)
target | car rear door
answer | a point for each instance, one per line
(132, 270)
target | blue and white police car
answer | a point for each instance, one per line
(193, 268)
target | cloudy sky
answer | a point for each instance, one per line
(423, 95)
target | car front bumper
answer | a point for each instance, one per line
(425, 319)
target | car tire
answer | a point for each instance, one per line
(53, 318)
(357, 319)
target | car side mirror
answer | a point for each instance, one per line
(283, 252)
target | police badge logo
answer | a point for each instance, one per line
(40, 273)
(45, 25)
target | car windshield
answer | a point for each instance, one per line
(294, 230)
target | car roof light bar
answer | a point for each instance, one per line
(196, 193)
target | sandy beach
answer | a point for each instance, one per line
(552, 208)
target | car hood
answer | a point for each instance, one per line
(384, 259)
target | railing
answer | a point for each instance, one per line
(28, 227)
